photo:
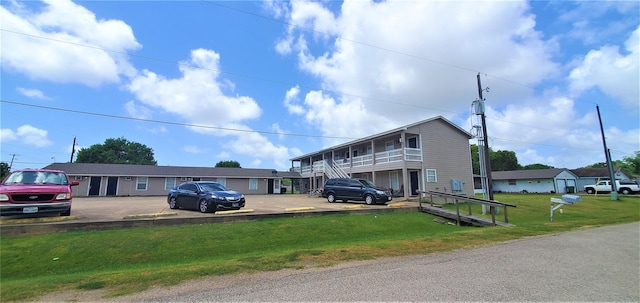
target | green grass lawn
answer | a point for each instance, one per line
(126, 261)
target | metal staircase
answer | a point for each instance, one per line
(333, 171)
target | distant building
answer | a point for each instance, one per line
(552, 180)
(587, 176)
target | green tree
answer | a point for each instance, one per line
(536, 166)
(500, 161)
(117, 151)
(504, 160)
(475, 159)
(597, 165)
(632, 164)
(4, 170)
(229, 163)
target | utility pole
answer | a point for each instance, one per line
(487, 158)
(13, 156)
(73, 150)
(614, 189)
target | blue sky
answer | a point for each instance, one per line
(262, 82)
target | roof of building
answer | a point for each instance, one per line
(548, 173)
(395, 130)
(99, 169)
(594, 172)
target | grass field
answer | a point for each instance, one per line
(127, 261)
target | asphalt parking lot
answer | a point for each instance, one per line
(96, 213)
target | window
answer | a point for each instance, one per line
(393, 180)
(389, 146)
(512, 182)
(222, 181)
(195, 179)
(188, 187)
(355, 183)
(253, 184)
(412, 142)
(169, 183)
(369, 150)
(431, 175)
(141, 183)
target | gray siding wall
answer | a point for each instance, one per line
(446, 150)
(156, 186)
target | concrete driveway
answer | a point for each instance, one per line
(119, 208)
(122, 212)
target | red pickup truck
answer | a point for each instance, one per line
(34, 191)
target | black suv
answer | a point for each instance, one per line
(354, 189)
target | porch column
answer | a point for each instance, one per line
(405, 172)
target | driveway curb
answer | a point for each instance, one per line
(60, 227)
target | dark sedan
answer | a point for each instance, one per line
(207, 197)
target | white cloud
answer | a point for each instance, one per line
(32, 93)
(223, 155)
(291, 100)
(7, 135)
(192, 149)
(275, 127)
(137, 111)
(46, 45)
(418, 67)
(197, 98)
(26, 134)
(612, 72)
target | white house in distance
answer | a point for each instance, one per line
(552, 180)
(587, 176)
(433, 154)
(151, 180)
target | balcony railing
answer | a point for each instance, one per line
(362, 160)
(408, 154)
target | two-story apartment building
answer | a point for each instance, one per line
(432, 154)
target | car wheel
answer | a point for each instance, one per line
(203, 206)
(173, 204)
(625, 191)
(589, 191)
(66, 213)
(331, 198)
(369, 199)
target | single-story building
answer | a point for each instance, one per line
(552, 180)
(151, 180)
(588, 176)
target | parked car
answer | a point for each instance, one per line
(207, 197)
(623, 186)
(355, 189)
(36, 191)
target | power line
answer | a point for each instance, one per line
(362, 43)
(242, 130)
(174, 123)
(288, 84)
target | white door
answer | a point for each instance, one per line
(276, 186)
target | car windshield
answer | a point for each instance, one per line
(37, 177)
(367, 183)
(212, 187)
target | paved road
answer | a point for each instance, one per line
(590, 265)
